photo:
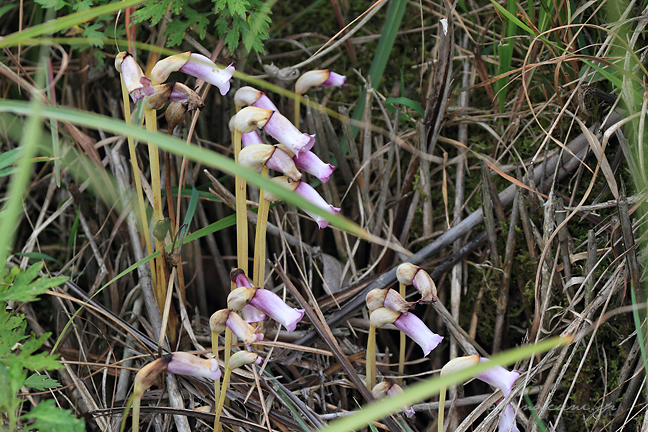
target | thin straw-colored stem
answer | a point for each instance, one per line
(297, 109)
(260, 238)
(401, 352)
(154, 160)
(217, 424)
(136, 413)
(241, 213)
(221, 400)
(141, 213)
(442, 398)
(371, 358)
(129, 404)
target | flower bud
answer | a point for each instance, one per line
(218, 321)
(324, 78)
(409, 274)
(459, 363)
(388, 389)
(147, 375)
(243, 358)
(383, 316)
(240, 297)
(175, 114)
(250, 118)
(182, 93)
(246, 96)
(388, 298)
(159, 97)
(255, 155)
(165, 67)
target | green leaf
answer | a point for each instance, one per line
(236, 7)
(95, 37)
(41, 382)
(83, 5)
(56, 4)
(407, 102)
(48, 417)
(6, 8)
(176, 29)
(37, 256)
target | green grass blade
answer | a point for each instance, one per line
(65, 22)
(430, 387)
(193, 152)
(381, 57)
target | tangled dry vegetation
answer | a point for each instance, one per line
(500, 149)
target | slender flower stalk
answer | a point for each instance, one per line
(323, 78)
(370, 360)
(453, 365)
(307, 192)
(141, 213)
(261, 229)
(196, 65)
(237, 360)
(279, 127)
(386, 389)
(264, 300)
(409, 274)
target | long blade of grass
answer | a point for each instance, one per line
(381, 57)
(65, 22)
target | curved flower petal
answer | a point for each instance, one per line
(252, 314)
(313, 165)
(499, 377)
(183, 363)
(243, 330)
(251, 138)
(272, 305)
(308, 192)
(413, 327)
(507, 421)
(282, 129)
(334, 80)
(137, 85)
(203, 68)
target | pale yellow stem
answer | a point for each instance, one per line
(141, 212)
(154, 160)
(260, 238)
(297, 110)
(221, 401)
(371, 358)
(136, 413)
(217, 424)
(401, 353)
(241, 213)
(442, 398)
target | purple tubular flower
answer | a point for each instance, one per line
(183, 363)
(243, 330)
(334, 80)
(388, 389)
(499, 377)
(282, 129)
(201, 67)
(251, 138)
(272, 305)
(308, 192)
(507, 421)
(313, 165)
(413, 327)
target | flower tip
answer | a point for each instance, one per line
(334, 80)
(292, 324)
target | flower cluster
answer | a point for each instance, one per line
(293, 151)
(258, 302)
